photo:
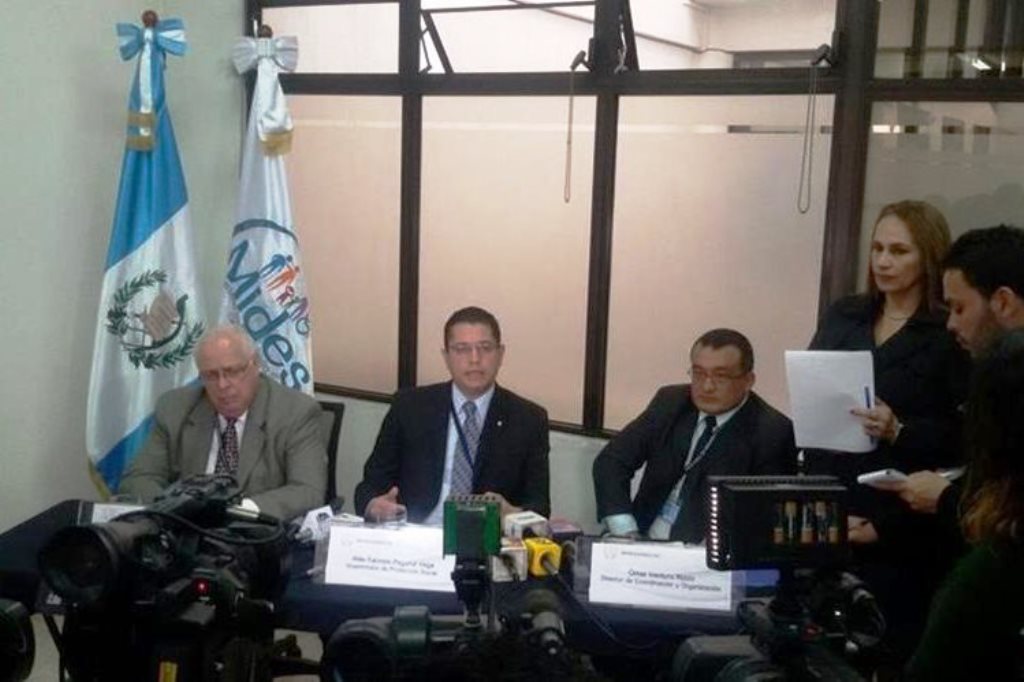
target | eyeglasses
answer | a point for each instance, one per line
(466, 349)
(211, 376)
(717, 377)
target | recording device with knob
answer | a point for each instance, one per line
(818, 616)
(183, 589)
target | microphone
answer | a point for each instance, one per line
(239, 513)
(577, 60)
(525, 524)
(315, 525)
(543, 556)
(547, 629)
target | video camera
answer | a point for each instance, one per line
(524, 639)
(818, 615)
(182, 589)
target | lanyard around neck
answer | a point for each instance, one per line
(695, 457)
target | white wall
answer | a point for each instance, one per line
(62, 127)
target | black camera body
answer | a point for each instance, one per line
(526, 639)
(182, 589)
(528, 644)
(818, 614)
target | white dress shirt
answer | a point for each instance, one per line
(483, 403)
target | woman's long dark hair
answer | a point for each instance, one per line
(994, 498)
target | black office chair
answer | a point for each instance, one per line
(330, 430)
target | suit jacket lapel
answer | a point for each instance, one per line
(196, 438)
(255, 433)
(730, 450)
(437, 422)
(492, 430)
(679, 437)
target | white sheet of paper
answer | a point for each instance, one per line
(409, 557)
(823, 387)
(657, 575)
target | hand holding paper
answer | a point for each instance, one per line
(824, 388)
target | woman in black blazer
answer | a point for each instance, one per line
(920, 371)
(920, 377)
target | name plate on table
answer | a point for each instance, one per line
(657, 575)
(406, 558)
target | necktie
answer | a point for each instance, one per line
(227, 455)
(462, 469)
(671, 517)
(705, 438)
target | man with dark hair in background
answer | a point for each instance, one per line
(983, 284)
(467, 435)
(714, 426)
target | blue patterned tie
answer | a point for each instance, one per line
(462, 470)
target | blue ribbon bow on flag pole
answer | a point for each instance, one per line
(150, 312)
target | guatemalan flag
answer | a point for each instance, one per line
(150, 316)
(265, 289)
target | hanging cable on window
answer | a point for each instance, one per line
(824, 53)
(580, 58)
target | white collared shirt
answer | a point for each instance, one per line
(622, 524)
(483, 403)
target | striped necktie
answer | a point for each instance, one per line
(462, 469)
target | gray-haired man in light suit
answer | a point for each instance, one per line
(236, 422)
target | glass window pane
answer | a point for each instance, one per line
(707, 234)
(963, 157)
(669, 35)
(497, 233)
(345, 176)
(725, 34)
(341, 38)
(949, 39)
(509, 39)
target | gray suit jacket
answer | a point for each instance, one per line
(282, 462)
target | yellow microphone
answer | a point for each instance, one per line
(545, 556)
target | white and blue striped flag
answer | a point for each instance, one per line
(150, 314)
(265, 288)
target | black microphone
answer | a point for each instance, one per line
(545, 613)
(577, 60)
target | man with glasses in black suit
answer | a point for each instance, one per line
(715, 425)
(467, 435)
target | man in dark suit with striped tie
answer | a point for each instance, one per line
(714, 426)
(467, 435)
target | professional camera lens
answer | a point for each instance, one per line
(83, 563)
(80, 564)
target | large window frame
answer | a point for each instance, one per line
(851, 80)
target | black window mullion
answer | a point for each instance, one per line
(857, 30)
(603, 58)
(600, 270)
(411, 164)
